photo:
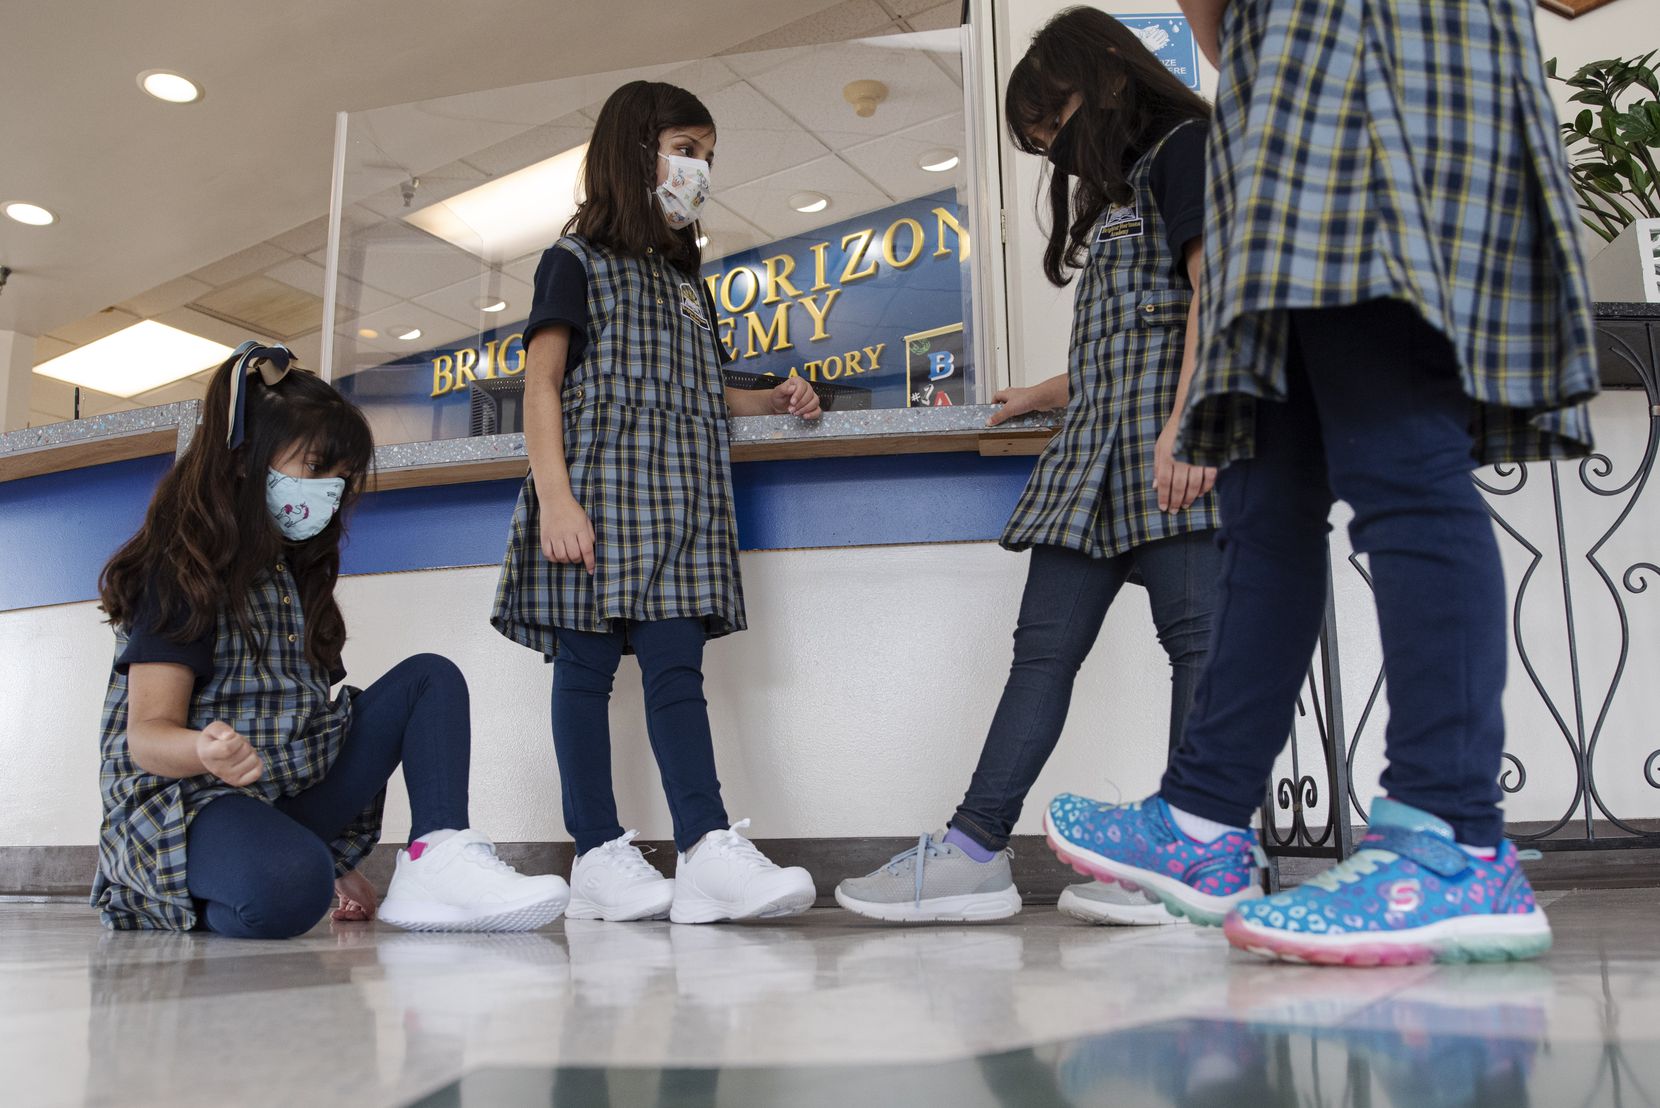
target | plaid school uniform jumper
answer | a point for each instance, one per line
(267, 690)
(1392, 148)
(647, 447)
(1092, 489)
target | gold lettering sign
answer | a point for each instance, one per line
(747, 331)
(758, 302)
(459, 368)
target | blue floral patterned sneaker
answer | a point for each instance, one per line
(1409, 894)
(1139, 846)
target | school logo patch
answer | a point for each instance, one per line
(691, 306)
(1123, 222)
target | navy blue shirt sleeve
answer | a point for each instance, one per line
(1177, 180)
(561, 296)
(148, 642)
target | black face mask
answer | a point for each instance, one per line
(1060, 148)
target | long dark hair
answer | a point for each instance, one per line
(208, 534)
(619, 174)
(1130, 101)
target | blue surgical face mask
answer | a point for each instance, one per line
(302, 506)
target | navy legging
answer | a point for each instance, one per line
(677, 722)
(1375, 415)
(264, 871)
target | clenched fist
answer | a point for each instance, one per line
(227, 755)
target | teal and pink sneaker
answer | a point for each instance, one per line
(1139, 846)
(1410, 894)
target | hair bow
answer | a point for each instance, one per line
(272, 363)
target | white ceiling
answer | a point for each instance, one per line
(163, 207)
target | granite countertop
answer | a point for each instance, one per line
(168, 428)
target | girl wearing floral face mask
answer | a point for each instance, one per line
(239, 794)
(624, 539)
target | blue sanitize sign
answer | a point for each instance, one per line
(1171, 41)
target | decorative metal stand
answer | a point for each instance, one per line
(1286, 830)
(1629, 352)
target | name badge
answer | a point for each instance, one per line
(691, 306)
(1123, 222)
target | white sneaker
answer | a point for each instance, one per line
(724, 877)
(1099, 902)
(460, 885)
(614, 882)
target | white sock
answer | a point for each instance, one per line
(433, 838)
(1199, 828)
(1488, 853)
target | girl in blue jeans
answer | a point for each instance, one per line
(1393, 294)
(1106, 502)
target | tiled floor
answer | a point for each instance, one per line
(822, 1010)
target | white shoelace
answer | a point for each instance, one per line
(733, 845)
(484, 855)
(627, 858)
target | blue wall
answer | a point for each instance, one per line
(56, 531)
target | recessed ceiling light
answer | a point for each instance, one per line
(410, 335)
(938, 161)
(702, 241)
(136, 359)
(32, 214)
(511, 215)
(490, 304)
(169, 86)
(367, 333)
(809, 202)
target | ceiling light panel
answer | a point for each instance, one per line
(511, 215)
(136, 359)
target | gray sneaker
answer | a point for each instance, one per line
(933, 881)
(1099, 902)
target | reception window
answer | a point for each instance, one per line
(839, 243)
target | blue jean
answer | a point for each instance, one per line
(670, 652)
(1376, 415)
(264, 871)
(1066, 599)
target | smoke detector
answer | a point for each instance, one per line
(864, 96)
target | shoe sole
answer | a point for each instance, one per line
(712, 911)
(1178, 898)
(1488, 938)
(526, 917)
(1118, 915)
(583, 908)
(969, 908)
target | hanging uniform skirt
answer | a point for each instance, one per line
(1393, 148)
(1092, 488)
(646, 443)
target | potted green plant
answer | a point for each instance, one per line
(1614, 155)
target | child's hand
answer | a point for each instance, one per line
(357, 899)
(1016, 402)
(227, 755)
(795, 397)
(567, 533)
(1178, 483)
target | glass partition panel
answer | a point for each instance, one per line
(836, 244)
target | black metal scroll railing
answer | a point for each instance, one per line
(1310, 812)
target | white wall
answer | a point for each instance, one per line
(855, 705)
